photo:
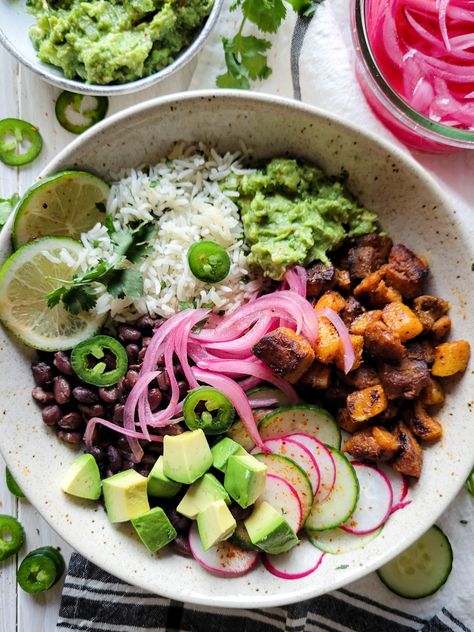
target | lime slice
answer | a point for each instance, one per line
(24, 283)
(66, 204)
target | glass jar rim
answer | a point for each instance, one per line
(395, 103)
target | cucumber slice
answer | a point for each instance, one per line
(293, 474)
(341, 502)
(422, 569)
(336, 541)
(241, 538)
(304, 418)
(238, 432)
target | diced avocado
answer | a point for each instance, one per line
(125, 496)
(269, 531)
(154, 529)
(202, 493)
(245, 479)
(159, 484)
(186, 457)
(240, 537)
(215, 524)
(223, 450)
(82, 478)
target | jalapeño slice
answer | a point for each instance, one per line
(12, 536)
(20, 142)
(208, 409)
(208, 261)
(72, 108)
(90, 360)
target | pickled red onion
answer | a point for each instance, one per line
(91, 424)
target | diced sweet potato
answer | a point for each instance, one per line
(331, 299)
(406, 271)
(441, 328)
(288, 354)
(374, 444)
(382, 342)
(410, 460)
(367, 403)
(375, 290)
(358, 346)
(346, 422)
(423, 426)
(402, 320)
(317, 376)
(360, 324)
(327, 343)
(429, 309)
(451, 357)
(432, 394)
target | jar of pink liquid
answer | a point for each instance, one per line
(415, 64)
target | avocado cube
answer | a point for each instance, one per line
(159, 484)
(186, 457)
(202, 493)
(215, 524)
(222, 451)
(245, 479)
(269, 531)
(125, 496)
(82, 478)
(154, 529)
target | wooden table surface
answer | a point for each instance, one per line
(23, 95)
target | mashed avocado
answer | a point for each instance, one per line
(114, 41)
(293, 213)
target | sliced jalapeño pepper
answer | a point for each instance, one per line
(208, 409)
(12, 536)
(92, 358)
(20, 142)
(208, 261)
(74, 114)
(12, 485)
(39, 571)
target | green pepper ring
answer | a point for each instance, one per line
(66, 99)
(208, 261)
(37, 573)
(213, 400)
(20, 130)
(11, 528)
(98, 375)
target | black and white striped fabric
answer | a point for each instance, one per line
(94, 601)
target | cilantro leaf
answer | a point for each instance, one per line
(266, 14)
(470, 483)
(74, 299)
(301, 6)
(122, 283)
(140, 246)
(246, 60)
(229, 80)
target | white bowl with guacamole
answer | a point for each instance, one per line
(101, 47)
(413, 211)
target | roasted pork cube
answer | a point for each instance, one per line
(405, 379)
(406, 271)
(319, 278)
(381, 243)
(363, 260)
(288, 354)
(363, 377)
(423, 425)
(352, 309)
(318, 376)
(360, 324)
(429, 309)
(410, 459)
(381, 342)
(374, 444)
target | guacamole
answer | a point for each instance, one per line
(114, 41)
(293, 213)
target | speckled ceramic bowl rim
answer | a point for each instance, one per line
(125, 88)
(243, 99)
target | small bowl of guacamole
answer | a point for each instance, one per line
(106, 47)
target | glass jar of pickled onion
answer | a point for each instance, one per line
(415, 64)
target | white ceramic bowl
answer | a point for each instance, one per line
(15, 22)
(412, 209)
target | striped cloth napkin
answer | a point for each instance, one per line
(311, 60)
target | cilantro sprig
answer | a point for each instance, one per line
(131, 245)
(246, 55)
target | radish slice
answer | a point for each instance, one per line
(399, 484)
(375, 500)
(324, 459)
(284, 498)
(297, 453)
(301, 561)
(336, 541)
(225, 559)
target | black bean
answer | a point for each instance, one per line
(181, 545)
(85, 395)
(141, 354)
(179, 522)
(148, 460)
(131, 378)
(160, 360)
(173, 430)
(163, 380)
(109, 472)
(239, 513)
(71, 421)
(154, 398)
(114, 457)
(43, 373)
(155, 448)
(95, 410)
(128, 333)
(70, 437)
(146, 341)
(62, 389)
(117, 415)
(109, 360)
(51, 414)
(97, 453)
(183, 388)
(42, 396)
(128, 464)
(109, 394)
(62, 362)
(145, 322)
(132, 353)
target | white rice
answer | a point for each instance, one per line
(187, 204)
